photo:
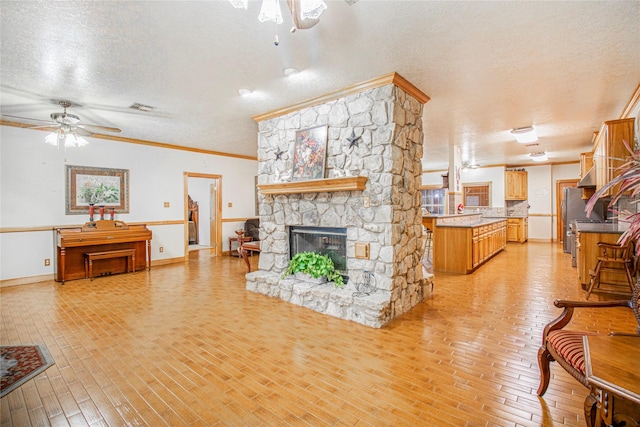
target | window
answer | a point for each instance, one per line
(476, 194)
(434, 200)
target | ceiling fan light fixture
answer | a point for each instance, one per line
(468, 165)
(270, 11)
(73, 140)
(52, 138)
(524, 135)
(239, 4)
(539, 157)
(312, 9)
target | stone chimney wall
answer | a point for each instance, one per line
(386, 215)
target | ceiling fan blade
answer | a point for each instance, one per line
(81, 131)
(98, 127)
(27, 118)
(49, 126)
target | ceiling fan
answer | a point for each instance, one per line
(67, 127)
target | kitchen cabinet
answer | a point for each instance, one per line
(586, 163)
(464, 248)
(609, 150)
(517, 229)
(515, 185)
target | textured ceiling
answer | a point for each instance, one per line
(487, 66)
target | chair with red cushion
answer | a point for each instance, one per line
(566, 346)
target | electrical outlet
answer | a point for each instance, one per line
(167, 204)
(161, 249)
(230, 205)
(366, 201)
(47, 262)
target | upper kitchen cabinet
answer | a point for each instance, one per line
(515, 185)
(609, 150)
(586, 163)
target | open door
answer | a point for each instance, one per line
(205, 191)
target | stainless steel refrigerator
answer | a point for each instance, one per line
(574, 208)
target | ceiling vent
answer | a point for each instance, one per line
(141, 107)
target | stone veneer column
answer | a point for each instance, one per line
(386, 215)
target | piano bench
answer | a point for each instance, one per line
(89, 257)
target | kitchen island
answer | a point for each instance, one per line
(588, 236)
(462, 243)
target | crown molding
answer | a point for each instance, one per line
(391, 78)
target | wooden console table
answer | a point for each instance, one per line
(611, 363)
(100, 236)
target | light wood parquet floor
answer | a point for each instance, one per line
(186, 345)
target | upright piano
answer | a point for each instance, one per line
(99, 236)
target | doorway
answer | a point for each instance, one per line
(560, 186)
(204, 190)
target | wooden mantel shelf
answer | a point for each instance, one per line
(349, 183)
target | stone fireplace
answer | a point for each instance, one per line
(371, 192)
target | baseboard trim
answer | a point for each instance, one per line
(25, 280)
(46, 277)
(166, 261)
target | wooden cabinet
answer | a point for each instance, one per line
(463, 249)
(609, 150)
(586, 163)
(517, 229)
(515, 185)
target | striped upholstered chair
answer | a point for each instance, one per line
(565, 346)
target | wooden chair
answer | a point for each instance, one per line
(566, 346)
(613, 259)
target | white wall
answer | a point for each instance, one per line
(433, 178)
(32, 186)
(494, 175)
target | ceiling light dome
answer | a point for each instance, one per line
(524, 135)
(539, 157)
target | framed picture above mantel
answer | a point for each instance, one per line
(309, 153)
(85, 185)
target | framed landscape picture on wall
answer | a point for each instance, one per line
(309, 153)
(98, 186)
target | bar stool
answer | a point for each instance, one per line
(428, 245)
(427, 266)
(613, 258)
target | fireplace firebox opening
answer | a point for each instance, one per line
(328, 241)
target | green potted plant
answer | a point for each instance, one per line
(315, 265)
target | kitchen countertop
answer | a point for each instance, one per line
(595, 227)
(481, 222)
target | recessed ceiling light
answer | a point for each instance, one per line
(525, 134)
(244, 91)
(539, 157)
(290, 71)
